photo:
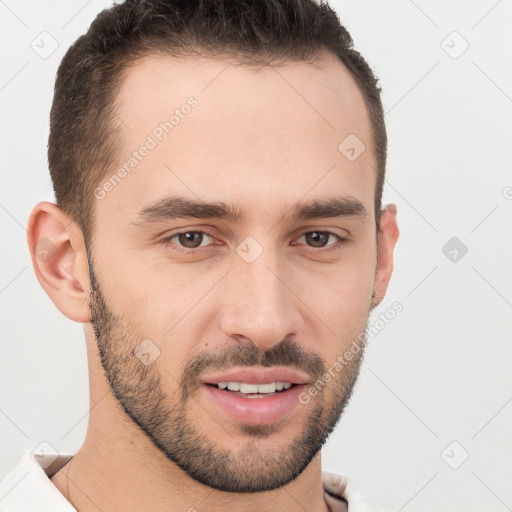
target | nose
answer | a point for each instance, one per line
(259, 304)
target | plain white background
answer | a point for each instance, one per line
(429, 425)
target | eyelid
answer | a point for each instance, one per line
(167, 240)
(340, 240)
(324, 231)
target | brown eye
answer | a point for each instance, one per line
(317, 238)
(320, 239)
(190, 239)
(187, 240)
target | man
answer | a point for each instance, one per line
(218, 168)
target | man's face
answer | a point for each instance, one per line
(270, 294)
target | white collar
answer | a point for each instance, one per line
(28, 488)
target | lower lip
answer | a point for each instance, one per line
(256, 411)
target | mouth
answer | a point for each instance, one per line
(254, 390)
(255, 397)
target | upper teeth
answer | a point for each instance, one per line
(271, 387)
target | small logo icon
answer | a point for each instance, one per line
(351, 147)
(454, 249)
(45, 249)
(455, 455)
(146, 352)
(45, 45)
(44, 454)
(454, 45)
(249, 250)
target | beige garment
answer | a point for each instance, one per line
(342, 495)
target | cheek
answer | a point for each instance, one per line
(173, 303)
(343, 303)
(340, 294)
(156, 294)
(345, 282)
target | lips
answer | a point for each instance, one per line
(258, 376)
(255, 408)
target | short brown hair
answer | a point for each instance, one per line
(84, 136)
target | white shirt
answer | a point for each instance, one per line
(28, 488)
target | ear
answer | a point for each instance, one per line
(60, 261)
(386, 241)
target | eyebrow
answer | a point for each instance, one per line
(178, 207)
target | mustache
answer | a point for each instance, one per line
(286, 353)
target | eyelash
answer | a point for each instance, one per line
(336, 246)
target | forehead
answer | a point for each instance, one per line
(323, 91)
(262, 129)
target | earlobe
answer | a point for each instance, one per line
(387, 238)
(59, 259)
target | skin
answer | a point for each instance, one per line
(262, 140)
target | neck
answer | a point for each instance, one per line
(119, 468)
(129, 473)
